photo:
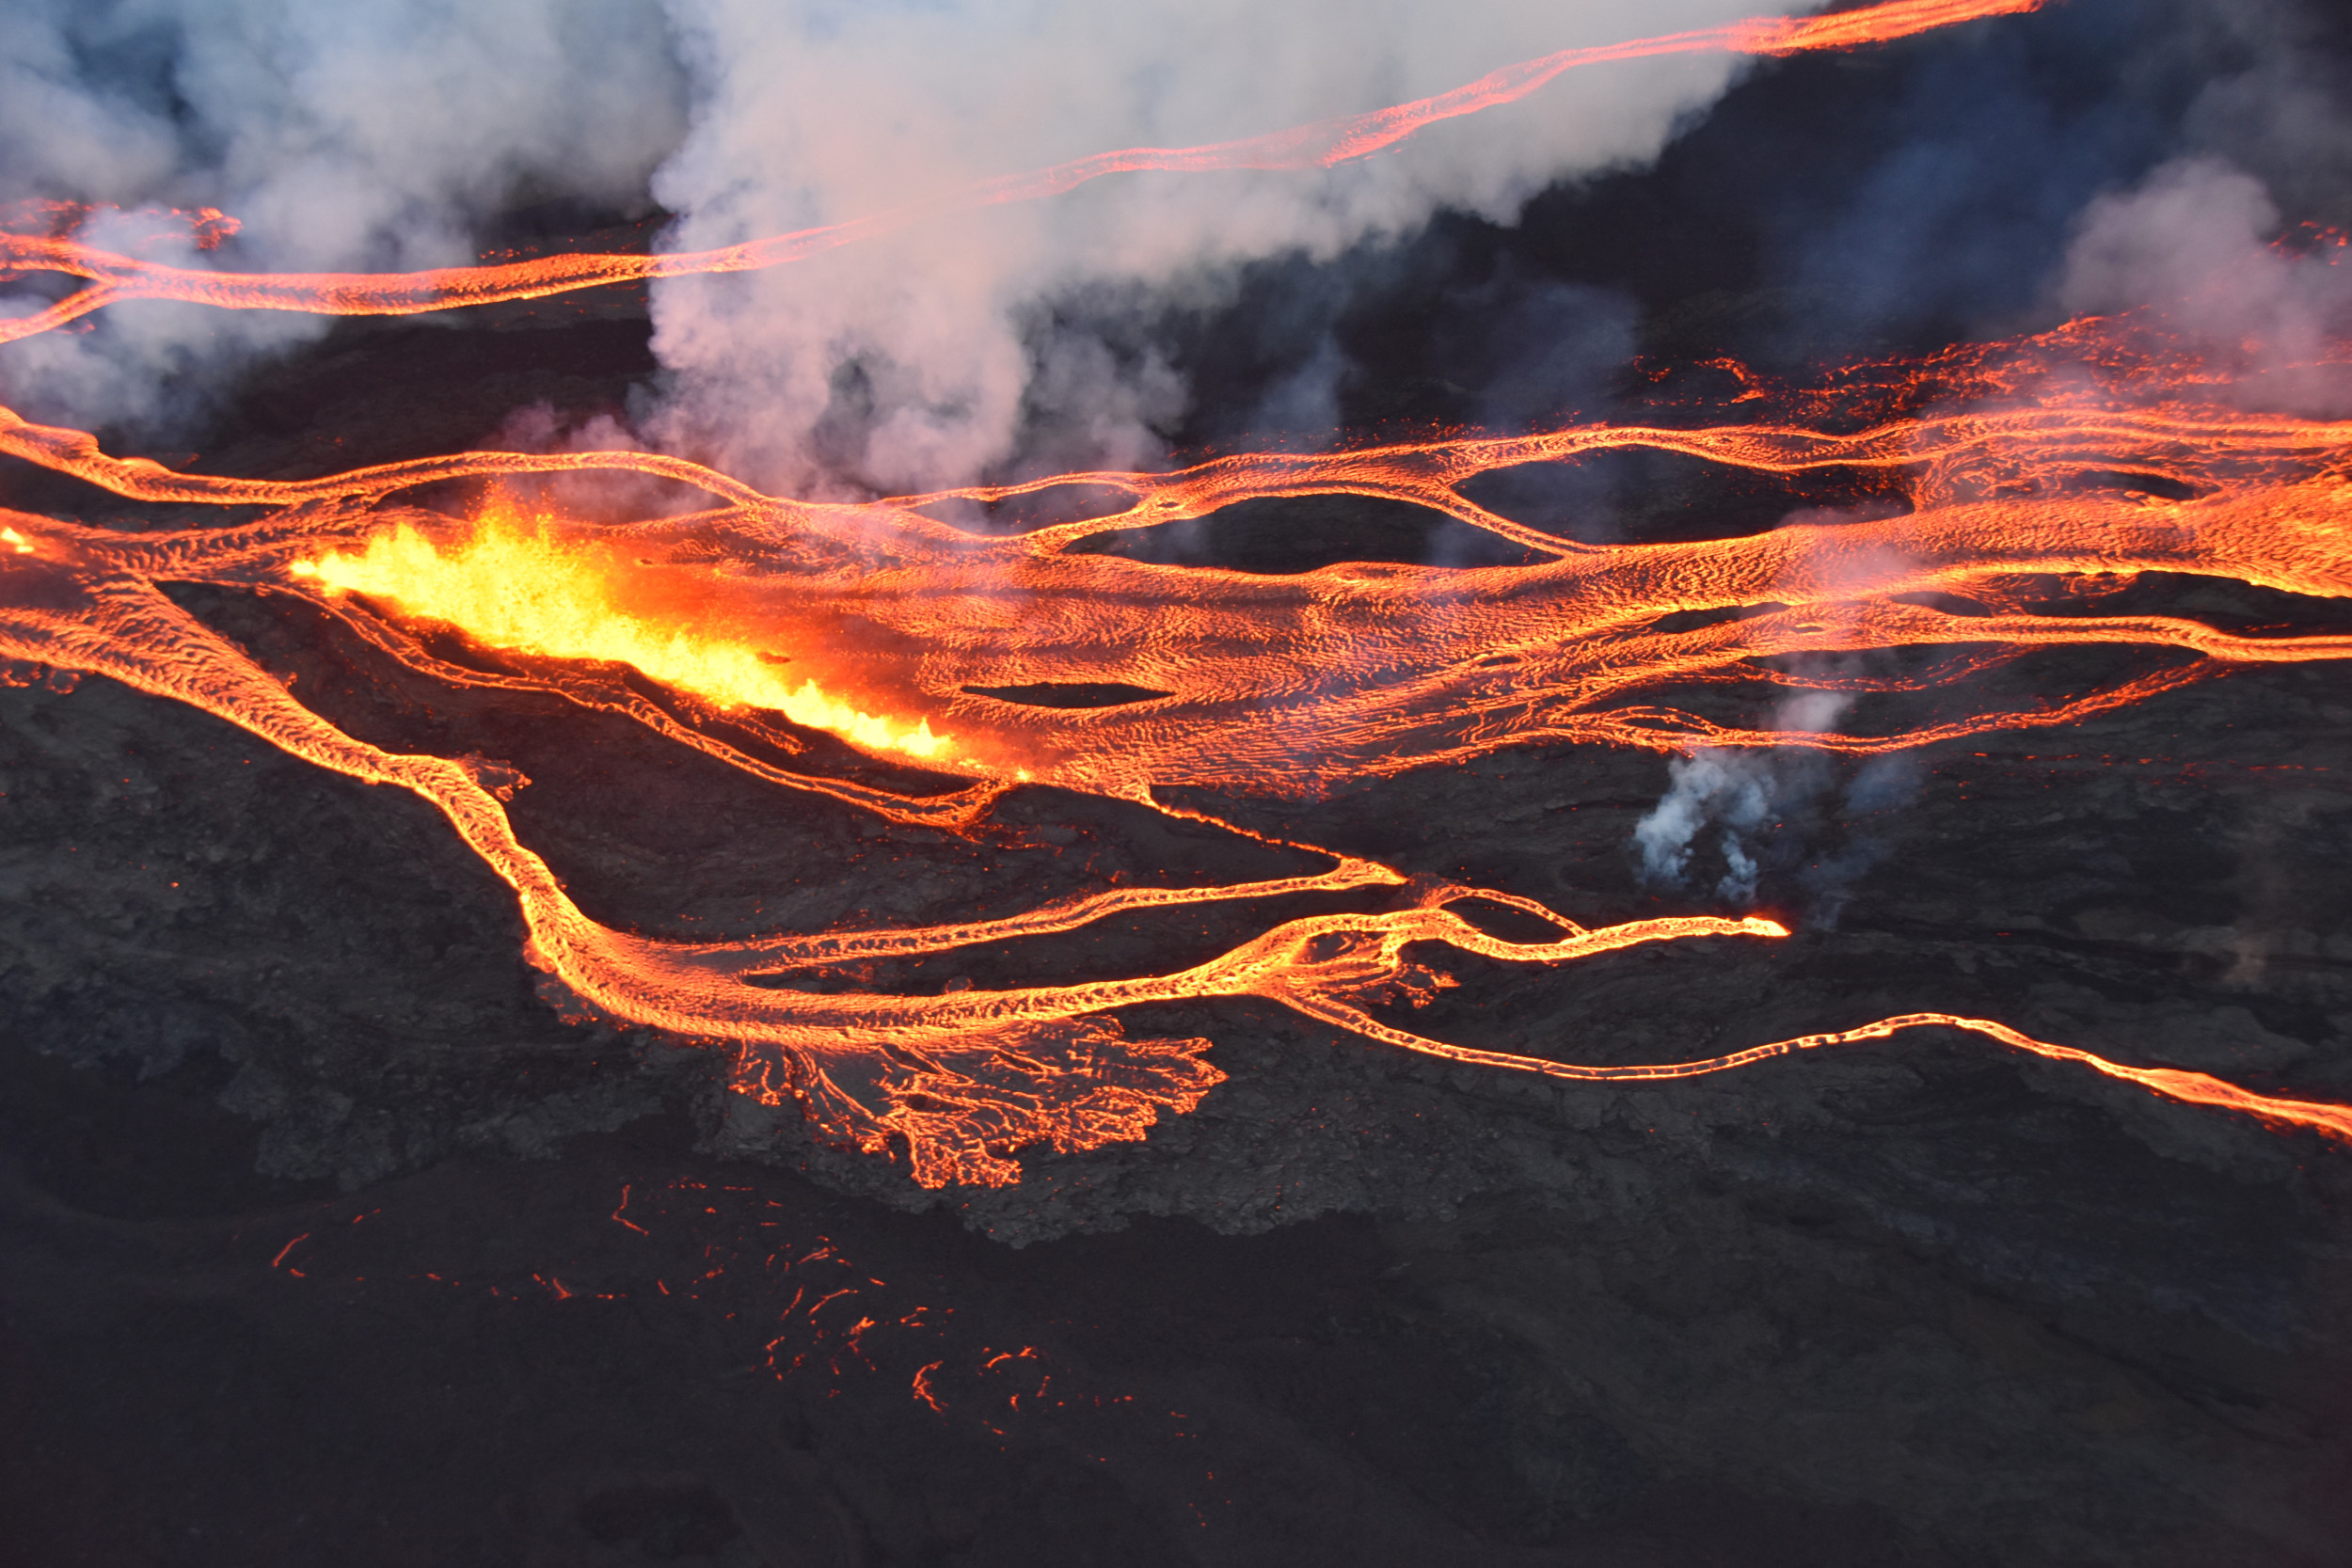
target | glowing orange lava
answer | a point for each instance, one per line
(513, 585)
(112, 278)
(872, 621)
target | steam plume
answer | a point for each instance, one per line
(2191, 243)
(378, 136)
(919, 361)
(382, 137)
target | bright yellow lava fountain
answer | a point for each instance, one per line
(513, 585)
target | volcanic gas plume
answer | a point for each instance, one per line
(2015, 486)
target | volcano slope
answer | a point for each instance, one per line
(335, 1233)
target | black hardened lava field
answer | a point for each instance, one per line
(986, 785)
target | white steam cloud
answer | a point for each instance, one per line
(382, 135)
(1744, 792)
(378, 136)
(916, 361)
(1734, 789)
(1775, 809)
(2194, 243)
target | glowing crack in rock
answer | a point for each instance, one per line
(872, 621)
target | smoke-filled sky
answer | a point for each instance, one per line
(806, 113)
(384, 136)
(994, 342)
(377, 135)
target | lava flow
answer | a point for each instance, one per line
(113, 277)
(890, 625)
(513, 586)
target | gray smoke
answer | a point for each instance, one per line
(1731, 817)
(919, 353)
(377, 136)
(384, 136)
(2193, 242)
(2281, 111)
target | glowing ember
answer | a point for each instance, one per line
(845, 618)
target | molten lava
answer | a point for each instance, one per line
(870, 621)
(513, 585)
(113, 277)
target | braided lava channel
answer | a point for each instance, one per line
(900, 631)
